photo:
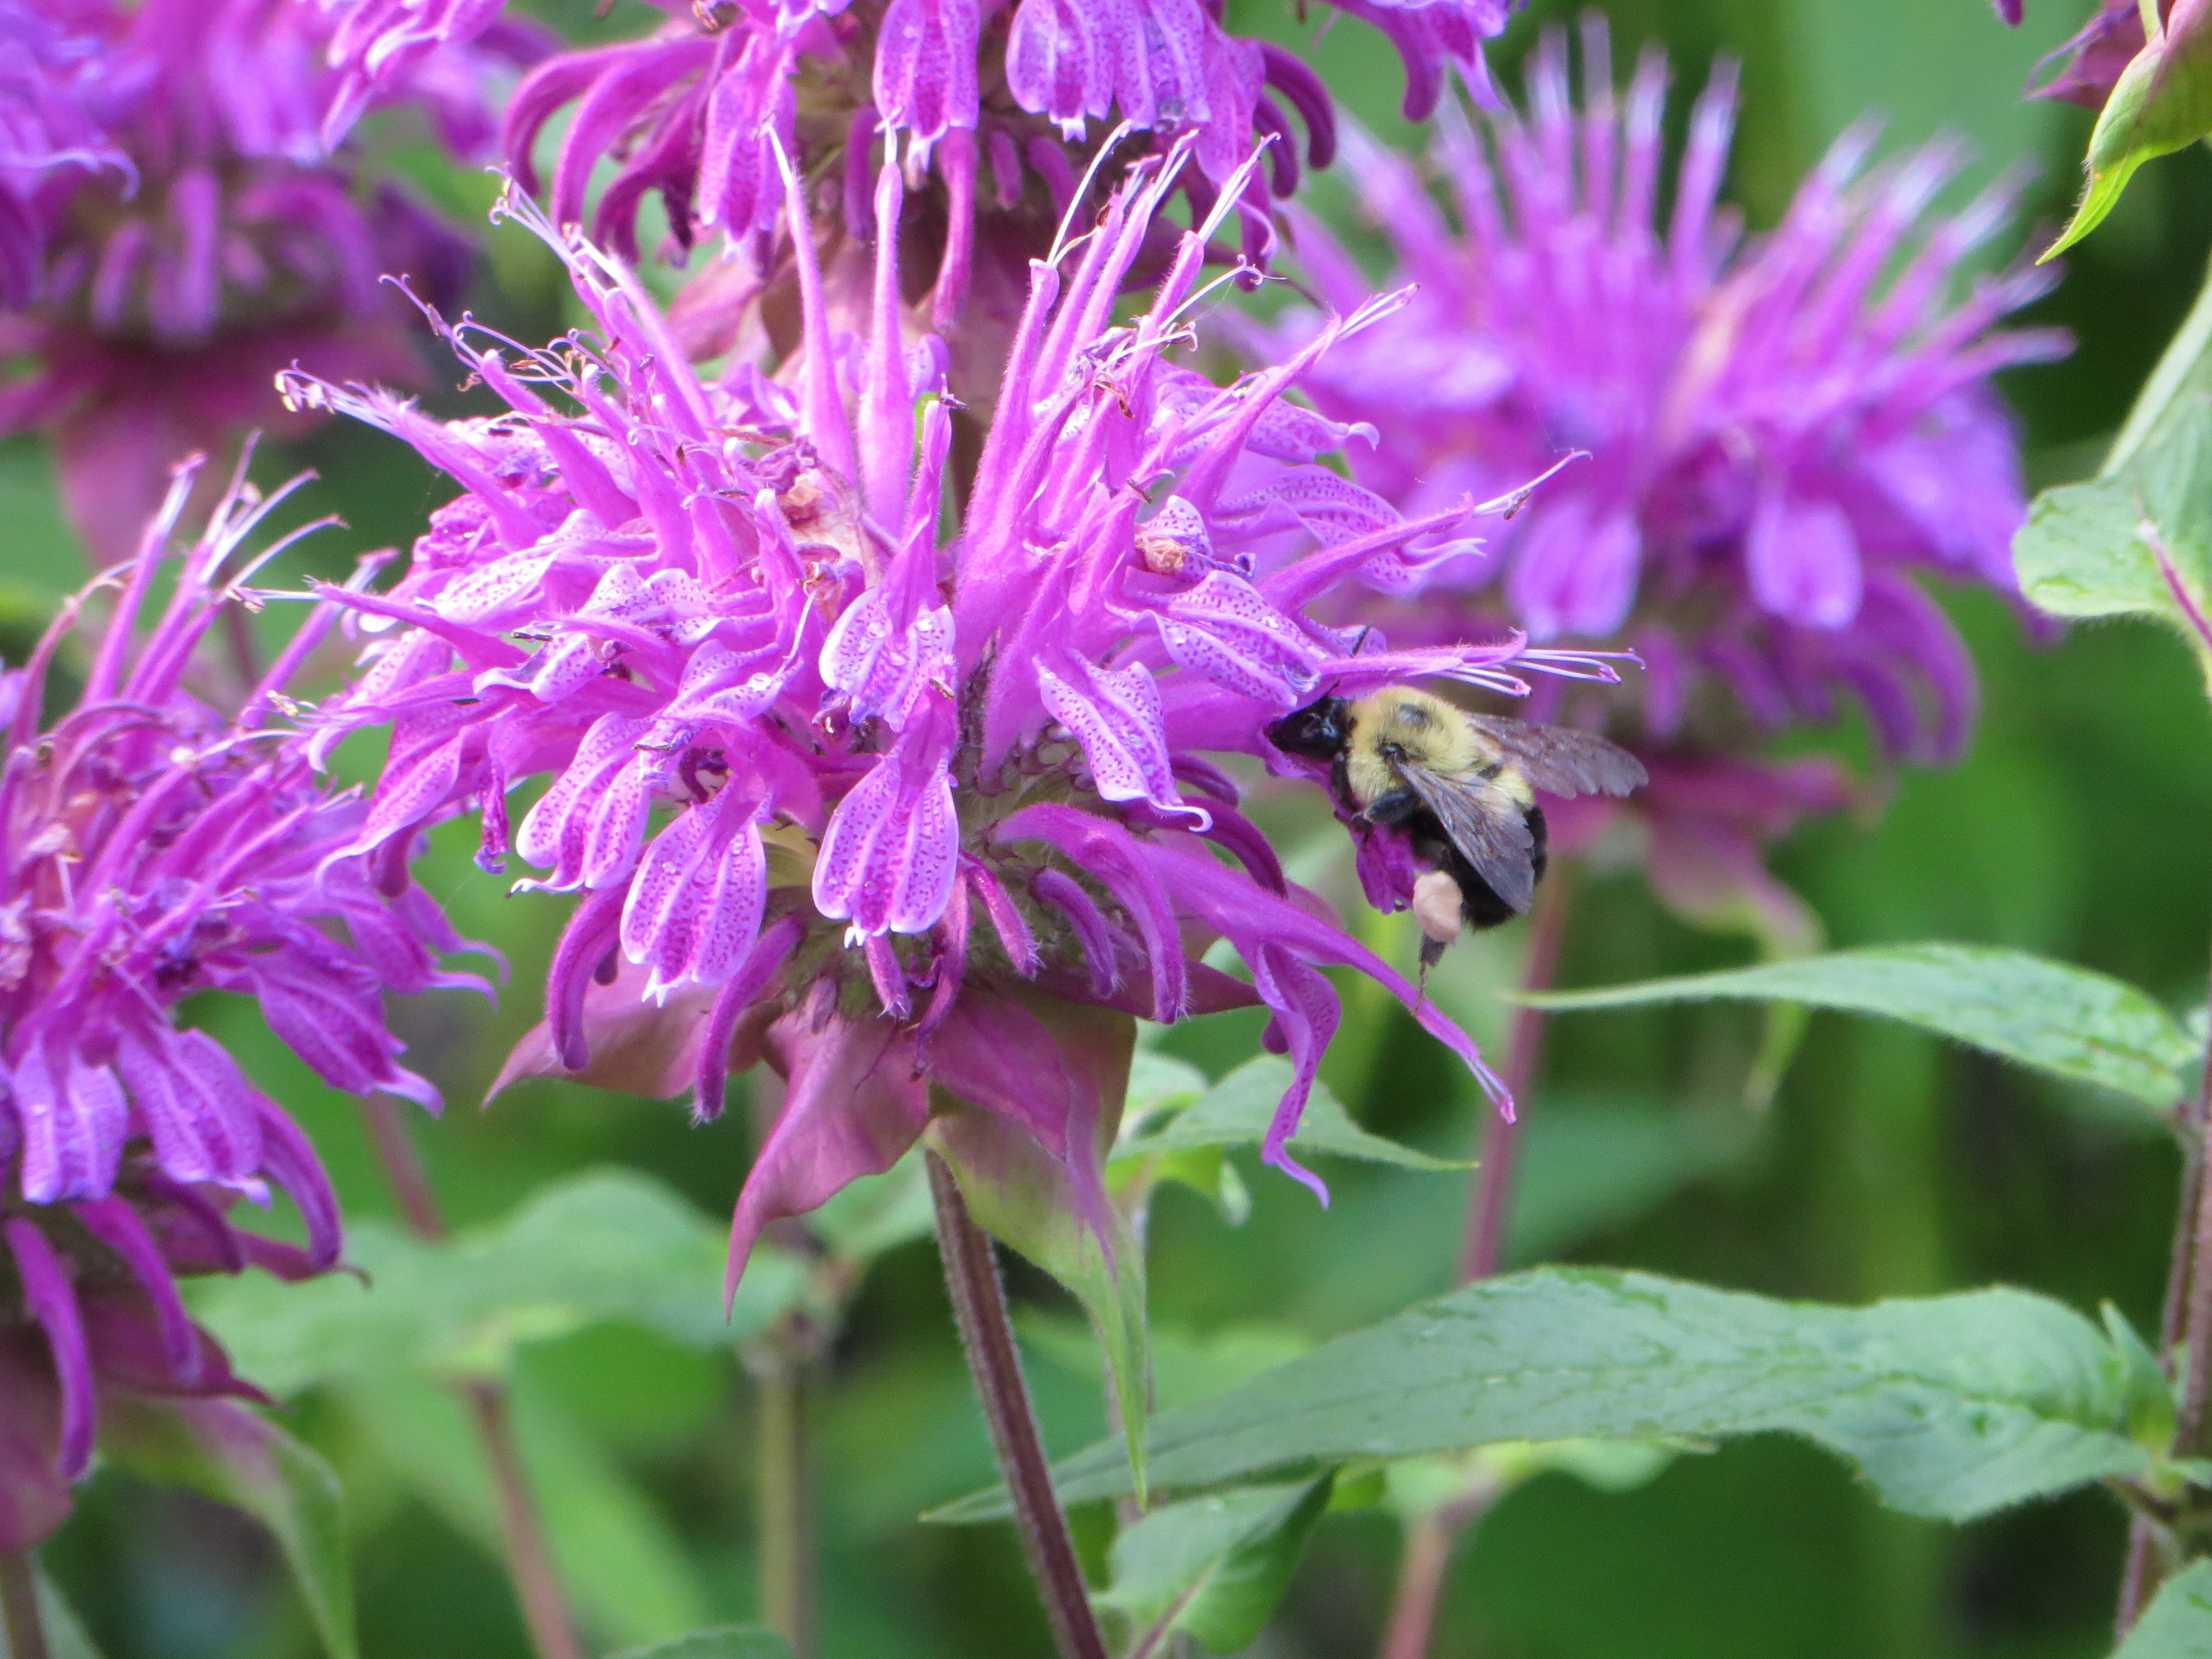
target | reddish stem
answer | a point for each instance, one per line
(19, 1607)
(979, 1307)
(1490, 1195)
(2187, 1318)
(1420, 1587)
(1432, 1539)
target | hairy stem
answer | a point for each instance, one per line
(529, 1561)
(2192, 1435)
(1432, 1539)
(979, 1307)
(19, 1607)
(784, 1516)
(2187, 1317)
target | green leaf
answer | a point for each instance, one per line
(1160, 1083)
(603, 1244)
(224, 1451)
(2179, 1624)
(2162, 101)
(2091, 549)
(725, 1642)
(618, 1559)
(2182, 379)
(1217, 1567)
(1951, 1406)
(1236, 1112)
(2068, 1021)
(2152, 1421)
(1187, 1365)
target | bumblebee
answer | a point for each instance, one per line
(1462, 785)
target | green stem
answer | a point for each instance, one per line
(784, 1512)
(19, 1607)
(979, 1307)
(529, 1560)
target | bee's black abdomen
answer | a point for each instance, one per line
(1540, 852)
(1479, 900)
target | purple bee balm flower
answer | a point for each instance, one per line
(694, 113)
(153, 296)
(1777, 435)
(154, 850)
(901, 810)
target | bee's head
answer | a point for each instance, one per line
(1317, 731)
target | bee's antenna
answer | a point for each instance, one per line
(1360, 644)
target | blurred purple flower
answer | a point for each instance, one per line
(45, 128)
(937, 812)
(204, 240)
(154, 850)
(971, 87)
(1778, 435)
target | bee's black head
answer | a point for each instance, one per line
(1318, 732)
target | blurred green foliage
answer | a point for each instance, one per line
(1887, 1164)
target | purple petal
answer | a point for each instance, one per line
(893, 846)
(695, 909)
(73, 1128)
(1306, 1012)
(926, 66)
(1092, 931)
(50, 1300)
(740, 996)
(1115, 713)
(115, 1223)
(1058, 55)
(1575, 568)
(1803, 561)
(288, 1158)
(34, 1496)
(196, 1103)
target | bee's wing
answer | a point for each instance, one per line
(1563, 759)
(1486, 824)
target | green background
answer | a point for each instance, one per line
(1887, 1164)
